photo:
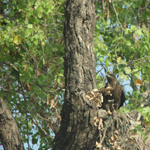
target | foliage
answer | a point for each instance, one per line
(121, 38)
(31, 67)
(31, 43)
(122, 46)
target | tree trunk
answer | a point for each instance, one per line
(76, 131)
(9, 133)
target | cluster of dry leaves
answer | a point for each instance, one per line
(114, 130)
(97, 96)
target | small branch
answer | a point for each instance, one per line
(116, 49)
(9, 90)
(129, 117)
(104, 133)
(36, 122)
(43, 85)
(49, 120)
(25, 100)
(142, 9)
(140, 58)
(49, 91)
(117, 16)
(128, 63)
(8, 64)
(3, 16)
(54, 125)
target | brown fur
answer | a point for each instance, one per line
(116, 98)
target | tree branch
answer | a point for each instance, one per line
(50, 92)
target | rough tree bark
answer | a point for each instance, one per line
(9, 133)
(76, 131)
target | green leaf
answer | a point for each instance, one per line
(23, 78)
(34, 141)
(121, 61)
(135, 70)
(121, 66)
(11, 13)
(127, 31)
(30, 68)
(146, 47)
(15, 74)
(17, 40)
(127, 70)
(39, 15)
(136, 74)
(30, 26)
(133, 27)
(101, 59)
(138, 32)
(40, 79)
(128, 43)
(140, 109)
(97, 26)
(59, 80)
(107, 62)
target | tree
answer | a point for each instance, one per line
(76, 131)
(32, 56)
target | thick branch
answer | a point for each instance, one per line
(9, 133)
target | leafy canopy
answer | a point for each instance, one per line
(32, 51)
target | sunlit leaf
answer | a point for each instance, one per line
(120, 61)
(30, 26)
(107, 62)
(127, 70)
(101, 59)
(17, 40)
